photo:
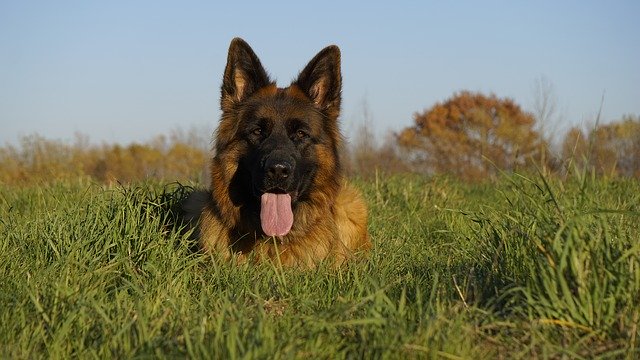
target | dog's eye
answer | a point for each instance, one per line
(301, 134)
(257, 132)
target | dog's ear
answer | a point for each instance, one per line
(321, 80)
(243, 74)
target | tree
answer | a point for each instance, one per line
(545, 108)
(367, 156)
(472, 136)
(545, 112)
(611, 149)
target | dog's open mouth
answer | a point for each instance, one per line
(276, 216)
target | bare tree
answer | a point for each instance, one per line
(545, 111)
(364, 142)
(368, 154)
(545, 108)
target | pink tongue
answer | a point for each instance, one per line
(276, 216)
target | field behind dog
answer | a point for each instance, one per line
(525, 267)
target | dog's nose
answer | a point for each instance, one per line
(278, 171)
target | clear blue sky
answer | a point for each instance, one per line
(128, 70)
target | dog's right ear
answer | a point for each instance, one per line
(243, 75)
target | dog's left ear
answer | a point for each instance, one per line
(321, 80)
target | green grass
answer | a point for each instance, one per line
(522, 268)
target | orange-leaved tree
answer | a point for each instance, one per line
(610, 149)
(472, 136)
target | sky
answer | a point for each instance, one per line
(126, 71)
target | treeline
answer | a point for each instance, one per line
(179, 156)
(611, 149)
(475, 137)
(470, 136)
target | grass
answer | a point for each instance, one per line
(528, 267)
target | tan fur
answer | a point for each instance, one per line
(338, 231)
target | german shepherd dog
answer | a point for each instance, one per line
(277, 188)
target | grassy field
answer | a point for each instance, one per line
(521, 268)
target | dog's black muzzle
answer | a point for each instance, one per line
(278, 170)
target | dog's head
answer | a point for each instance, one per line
(288, 136)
